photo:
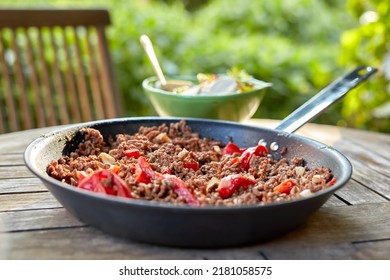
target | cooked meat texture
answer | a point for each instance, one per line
(169, 148)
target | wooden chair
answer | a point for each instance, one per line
(55, 68)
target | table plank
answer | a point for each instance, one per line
(346, 227)
(38, 220)
(356, 193)
(89, 243)
(377, 249)
(370, 178)
(21, 185)
(334, 201)
(27, 201)
(9, 159)
(15, 171)
(373, 159)
(16, 142)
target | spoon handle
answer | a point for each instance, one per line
(323, 99)
(148, 46)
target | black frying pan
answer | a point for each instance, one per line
(212, 226)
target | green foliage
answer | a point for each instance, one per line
(166, 25)
(287, 43)
(369, 106)
(295, 45)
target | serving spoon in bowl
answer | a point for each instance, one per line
(168, 85)
(222, 85)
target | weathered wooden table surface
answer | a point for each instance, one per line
(353, 224)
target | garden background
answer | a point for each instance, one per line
(300, 46)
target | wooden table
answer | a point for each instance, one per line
(353, 224)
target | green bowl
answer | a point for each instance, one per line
(231, 106)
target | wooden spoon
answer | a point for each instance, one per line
(165, 85)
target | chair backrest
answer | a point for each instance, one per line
(55, 68)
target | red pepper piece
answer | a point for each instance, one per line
(182, 190)
(81, 175)
(261, 151)
(166, 171)
(235, 160)
(109, 188)
(229, 184)
(231, 149)
(105, 181)
(103, 174)
(246, 156)
(133, 153)
(120, 186)
(333, 181)
(285, 187)
(144, 172)
(194, 165)
(91, 182)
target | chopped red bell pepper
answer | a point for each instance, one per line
(133, 153)
(91, 182)
(121, 187)
(182, 190)
(246, 156)
(229, 184)
(285, 187)
(104, 181)
(231, 149)
(81, 175)
(194, 165)
(144, 172)
(235, 160)
(333, 181)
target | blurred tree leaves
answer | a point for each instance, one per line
(298, 45)
(368, 107)
(293, 44)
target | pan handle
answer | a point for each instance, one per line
(323, 99)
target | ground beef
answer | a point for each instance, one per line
(198, 162)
